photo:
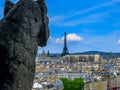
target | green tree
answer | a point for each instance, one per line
(76, 84)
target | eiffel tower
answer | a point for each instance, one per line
(65, 49)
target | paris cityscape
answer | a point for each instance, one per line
(83, 49)
(99, 71)
(89, 49)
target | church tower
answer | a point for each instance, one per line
(43, 54)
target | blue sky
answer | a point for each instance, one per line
(90, 25)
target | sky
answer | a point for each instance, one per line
(91, 25)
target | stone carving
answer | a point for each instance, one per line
(23, 28)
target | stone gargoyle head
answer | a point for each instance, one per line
(31, 15)
(23, 28)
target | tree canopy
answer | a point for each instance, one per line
(76, 84)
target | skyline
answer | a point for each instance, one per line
(90, 26)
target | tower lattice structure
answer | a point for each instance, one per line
(65, 49)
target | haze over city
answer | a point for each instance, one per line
(90, 25)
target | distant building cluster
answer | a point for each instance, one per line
(82, 58)
(97, 72)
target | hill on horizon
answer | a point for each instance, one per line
(88, 52)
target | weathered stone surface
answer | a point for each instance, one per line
(23, 28)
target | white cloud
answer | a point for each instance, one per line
(74, 37)
(66, 20)
(118, 42)
(112, 2)
(70, 38)
(55, 19)
(93, 18)
(59, 40)
(89, 19)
